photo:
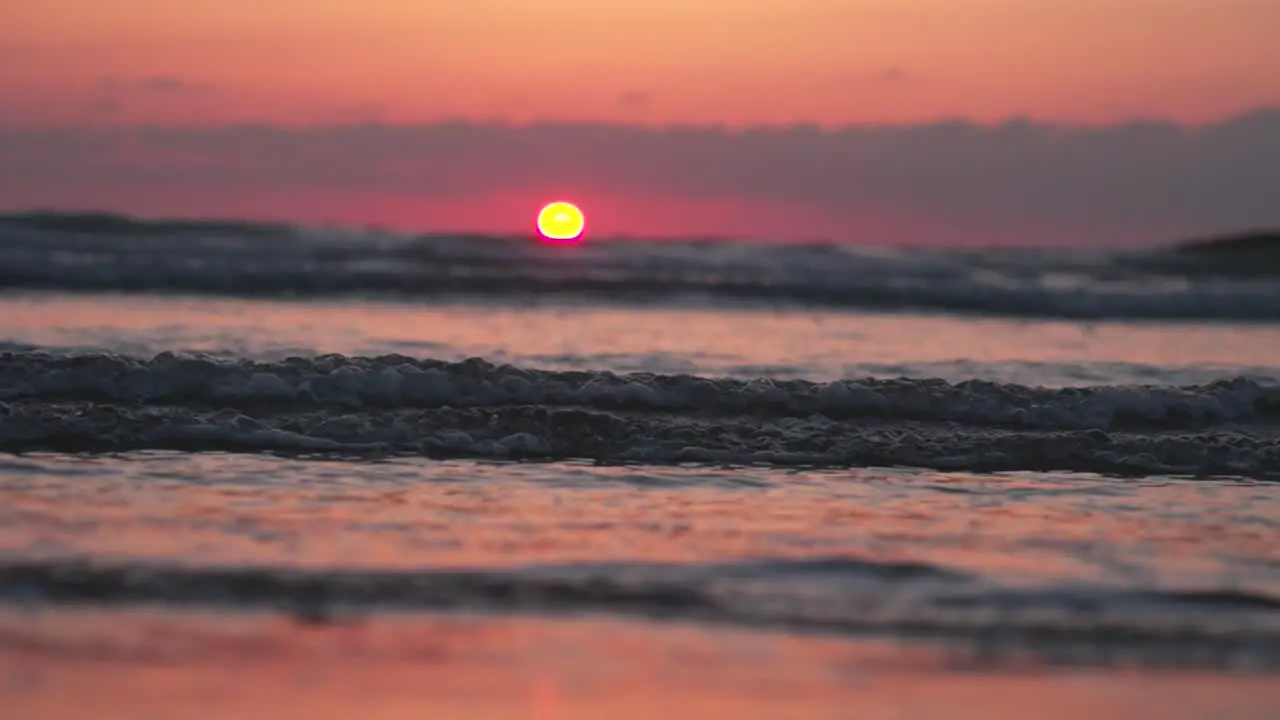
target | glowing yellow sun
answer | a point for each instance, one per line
(561, 222)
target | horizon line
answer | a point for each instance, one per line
(11, 214)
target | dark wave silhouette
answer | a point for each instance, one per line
(1228, 279)
(1249, 254)
(396, 405)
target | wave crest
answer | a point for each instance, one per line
(397, 404)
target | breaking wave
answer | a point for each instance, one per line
(1233, 279)
(100, 402)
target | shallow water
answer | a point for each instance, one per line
(1028, 563)
(160, 665)
(728, 512)
(711, 342)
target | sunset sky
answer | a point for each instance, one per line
(417, 113)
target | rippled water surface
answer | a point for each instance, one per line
(558, 511)
(1012, 529)
(795, 343)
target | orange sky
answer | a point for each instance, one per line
(735, 62)
(90, 68)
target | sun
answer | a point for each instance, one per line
(561, 222)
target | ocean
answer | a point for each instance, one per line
(253, 470)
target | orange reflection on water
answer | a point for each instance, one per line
(813, 344)
(413, 513)
(129, 665)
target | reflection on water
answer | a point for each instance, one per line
(1018, 528)
(813, 345)
(1158, 569)
(57, 664)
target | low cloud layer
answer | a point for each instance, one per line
(1097, 184)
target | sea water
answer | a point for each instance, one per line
(471, 477)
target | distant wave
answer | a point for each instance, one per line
(1246, 255)
(1082, 625)
(398, 405)
(1255, 244)
(1229, 280)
